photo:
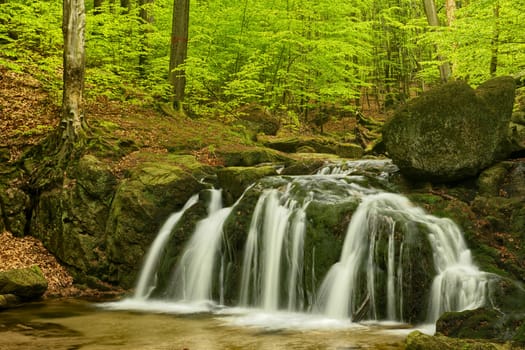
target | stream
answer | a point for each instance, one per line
(77, 324)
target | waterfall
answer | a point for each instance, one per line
(147, 275)
(194, 274)
(278, 226)
(459, 284)
(396, 262)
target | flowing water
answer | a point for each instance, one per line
(74, 324)
(395, 266)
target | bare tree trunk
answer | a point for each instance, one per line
(179, 49)
(450, 6)
(495, 42)
(73, 28)
(433, 20)
(147, 19)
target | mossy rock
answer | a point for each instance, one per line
(294, 144)
(251, 157)
(15, 204)
(26, 283)
(8, 301)
(420, 341)
(95, 177)
(141, 204)
(235, 180)
(451, 132)
(490, 180)
(349, 150)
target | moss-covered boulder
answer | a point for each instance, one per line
(70, 218)
(251, 156)
(26, 283)
(8, 301)
(294, 144)
(141, 204)
(484, 323)
(234, 180)
(420, 341)
(100, 223)
(349, 150)
(451, 132)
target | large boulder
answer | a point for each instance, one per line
(451, 132)
(26, 283)
(100, 223)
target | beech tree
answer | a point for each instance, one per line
(433, 20)
(179, 49)
(73, 26)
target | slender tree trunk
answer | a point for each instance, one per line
(126, 6)
(97, 6)
(450, 7)
(433, 20)
(495, 42)
(147, 20)
(73, 27)
(179, 49)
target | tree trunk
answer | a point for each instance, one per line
(97, 6)
(433, 20)
(495, 42)
(179, 49)
(73, 27)
(147, 19)
(450, 6)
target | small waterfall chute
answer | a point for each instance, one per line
(147, 275)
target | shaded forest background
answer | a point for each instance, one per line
(305, 62)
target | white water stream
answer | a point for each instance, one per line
(272, 272)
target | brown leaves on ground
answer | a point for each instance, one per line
(27, 113)
(28, 251)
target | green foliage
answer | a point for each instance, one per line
(31, 36)
(294, 57)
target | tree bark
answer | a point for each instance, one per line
(433, 20)
(450, 7)
(495, 42)
(73, 29)
(97, 6)
(147, 19)
(179, 49)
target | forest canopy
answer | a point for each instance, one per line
(289, 56)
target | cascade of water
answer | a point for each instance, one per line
(278, 226)
(459, 285)
(146, 281)
(368, 281)
(194, 274)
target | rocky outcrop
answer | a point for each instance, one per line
(100, 223)
(25, 284)
(452, 132)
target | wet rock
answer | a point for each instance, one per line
(26, 283)
(419, 341)
(452, 132)
(251, 157)
(234, 180)
(8, 301)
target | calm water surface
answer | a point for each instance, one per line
(76, 324)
